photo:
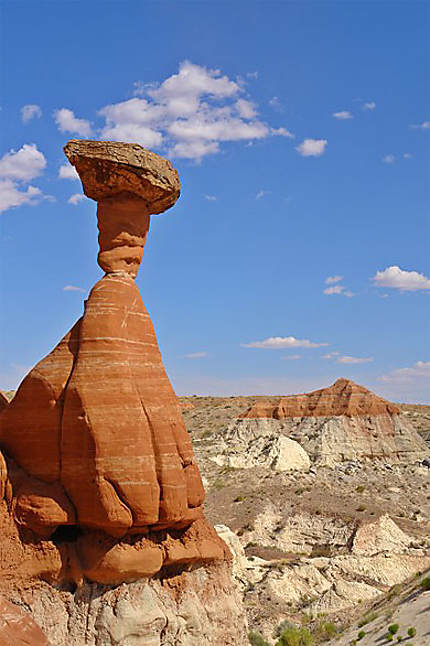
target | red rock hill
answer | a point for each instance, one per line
(344, 397)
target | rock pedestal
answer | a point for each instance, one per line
(94, 437)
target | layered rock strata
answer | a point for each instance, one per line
(98, 458)
(343, 422)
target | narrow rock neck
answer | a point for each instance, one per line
(123, 223)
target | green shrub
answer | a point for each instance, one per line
(425, 583)
(360, 488)
(325, 631)
(393, 629)
(412, 631)
(367, 619)
(360, 635)
(256, 639)
(399, 638)
(293, 636)
(389, 637)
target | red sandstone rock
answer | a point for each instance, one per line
(94, 435)
(344, 397)
(17, 628)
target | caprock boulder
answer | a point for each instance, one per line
(343, 422)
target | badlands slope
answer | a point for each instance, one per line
(314, 541)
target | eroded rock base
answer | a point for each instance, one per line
(200, 607)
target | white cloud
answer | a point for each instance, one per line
(389, 159)
(281, 343)
(67, 171)
(245, 109)
(330, 355)
(210, 198)
(348, 359)
(282, 132)
(370, 105)
(421, 369)
(407, 155)
(252, 75)
(261, 194)
(29, 112)
(25, 164)
(337, 289)
(188, 115)
(76, 198)
(67, 122)
(11, 195)
(17, 167)
(408, 281)
(292, 357)
(312, 147)
(196, 355)
(425, 125)
(73, 288)
(333, 279)
(343, 115)
(276, 104)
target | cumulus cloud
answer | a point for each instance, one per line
(67, 122)
(252, 75)
(406, 281)
(345, 358)
(389, 159)
(370, 105)
(25, 164)
(338, 289)
(67, 171)
(196, 355)
(407, 155)
(210, 198)
(73, 288)
(333, 279)
(312, 147)
(342, 115)
(281, 343)
(348, 359)
(420, 370)
(76, 198)
(282, 132)
(189, 114)
(245, 109)
(29, 112)
(11, 195)
(425, 125)
(16, 168)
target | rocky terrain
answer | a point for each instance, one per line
(314, 541)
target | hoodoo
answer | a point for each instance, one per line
(99, 462)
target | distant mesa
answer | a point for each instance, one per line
(344, 397)
(343, 422)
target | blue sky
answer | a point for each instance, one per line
(298, 251)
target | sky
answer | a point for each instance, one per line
(298, 251)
